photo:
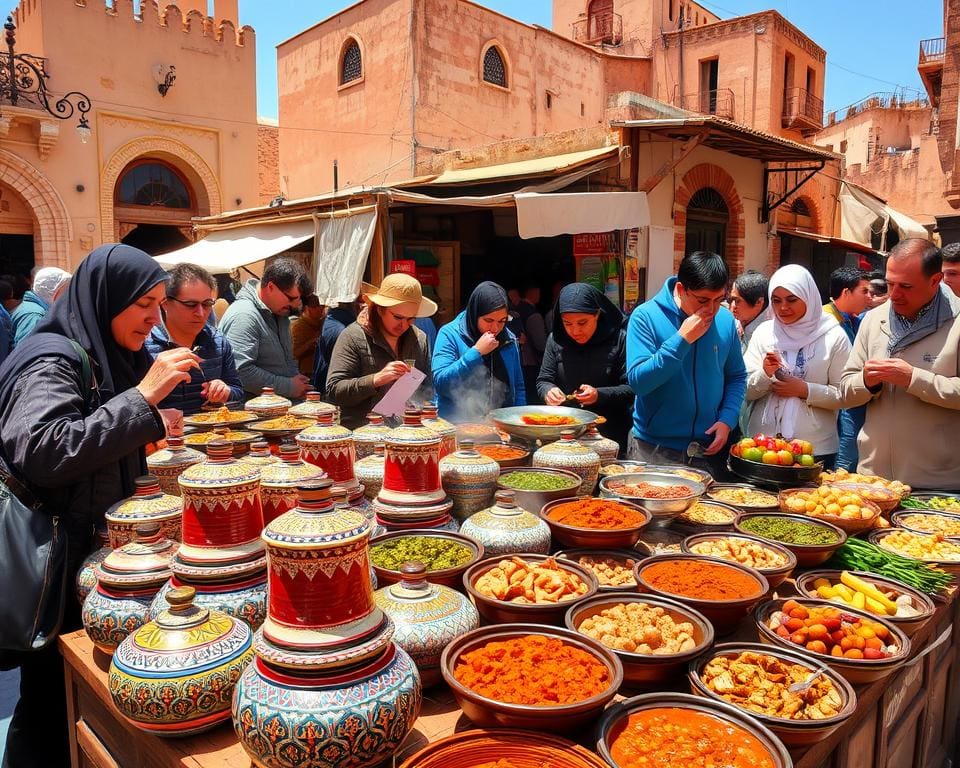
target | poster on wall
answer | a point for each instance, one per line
(597, 256)
(631, 269)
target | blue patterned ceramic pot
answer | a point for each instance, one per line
(470, 480)
(369, 472)
(87, 575)
(175, 676)
(506, 529)
(242, 596)
(169, 463)
(127, 580)
(370, 435)
(567, 453)
(425, 618)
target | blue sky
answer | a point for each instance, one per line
(871, 45)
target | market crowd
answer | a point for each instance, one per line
(99, 364)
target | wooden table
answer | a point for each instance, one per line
(907, 720)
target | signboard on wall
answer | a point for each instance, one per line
(405, 266)
(595, 244)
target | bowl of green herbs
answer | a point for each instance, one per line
(534, 487)
(813, 541)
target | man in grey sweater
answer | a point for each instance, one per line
(257, 325)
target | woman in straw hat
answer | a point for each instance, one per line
(370, 354)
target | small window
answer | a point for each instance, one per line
(153, 184)
(351, 65)
(583, 110)
(494, 68)
(843, 147)
(549, 100)
(800, 207)
(670, 9)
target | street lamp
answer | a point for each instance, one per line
(23, 76)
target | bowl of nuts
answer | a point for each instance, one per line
(708, 516)
(774, 561)
(846, 509)
(612, 567)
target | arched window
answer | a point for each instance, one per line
(494, 67)
(155, 184)
(800, 207)
(351, 65)
(708, 201)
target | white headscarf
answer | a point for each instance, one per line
(814, 323)
(47, 282)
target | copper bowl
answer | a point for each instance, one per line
(808, 555)
(900, 519)
(856, 671)
(950, 566)
(621, 556)
(489, 712)
(774, 576)
(601, 538)
(521, 749)
(793, 733)
(448, 577)
(494, 611)
(615, 719)
(645, 670)
(724, 615)
(521, 460)
(909, 624)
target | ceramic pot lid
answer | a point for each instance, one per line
(290, 470)
(175, 455)
(220, 469)
(143, 562)
(147, 503)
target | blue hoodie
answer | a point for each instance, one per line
(682, 389)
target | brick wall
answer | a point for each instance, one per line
(268, 163)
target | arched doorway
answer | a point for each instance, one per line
(153, 204)
(600, 24)
(707, 219)
(17, 225)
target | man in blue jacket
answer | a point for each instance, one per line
(685, 366)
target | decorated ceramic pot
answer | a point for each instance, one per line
(278, 482)
(411, 471)
(127, 580)
(222, 516)
(426, 617)
(268, 404)
(354, 498)
(329, 446)
(328, 677)
(370, 435)
(608, 450)
(313, 406)
(568, 453)
(446, 430)
(148, 504)
(87, 575)
(169, 463)
(506, 529)
(241, 592)
(369, 472)
(175, 676)
(260, 454)
(469, 478)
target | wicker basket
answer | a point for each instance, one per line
(885, 498)
(850, 527)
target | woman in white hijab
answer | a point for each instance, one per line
(794, 362)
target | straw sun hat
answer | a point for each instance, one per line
(400, 288)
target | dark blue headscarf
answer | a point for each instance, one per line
(580, 297)
(486, 298)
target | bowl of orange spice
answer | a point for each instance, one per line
(505, 454)
(584, 521)
(675, 729)
(503, 748)
(530, 676)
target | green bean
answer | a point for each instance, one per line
(857, 555)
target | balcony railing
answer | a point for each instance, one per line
(718, 102)
(599, 29)
(802, 110)
(932, 50)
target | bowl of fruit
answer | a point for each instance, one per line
(860, 646)
(898, 603)
(845, 509)
(775, 460)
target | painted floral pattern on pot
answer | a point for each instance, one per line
(147, 504)
(506, 529)
(169, 463)
(470, 480)
(568, 453)
(243, 599)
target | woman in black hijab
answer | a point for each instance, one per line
(476, 361)
(586, 356)
(78, 445)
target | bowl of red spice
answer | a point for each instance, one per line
(677, 729)
(583, 521)
(505, 454)
(722, 591)
(503, 748)
(530, 676)
(664, 495)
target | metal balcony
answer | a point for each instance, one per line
(719, 102)
(930, 66)
(802, 111)
(599, 29)
(932, 50)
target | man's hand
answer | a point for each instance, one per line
(555, 397)
(720, 432)
(300, 385)
(586, 395)
(696, 325)
(215, 391)
(893, 371)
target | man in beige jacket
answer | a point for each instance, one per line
(905, 367)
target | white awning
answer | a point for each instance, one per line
(229, 249)
(863, 214)
(342, 247)
(560, 213)
(540, 166)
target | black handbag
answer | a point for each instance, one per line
(33, 559)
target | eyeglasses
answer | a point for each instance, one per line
(292, 299)
(192, 305)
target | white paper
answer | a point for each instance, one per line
(395, 401)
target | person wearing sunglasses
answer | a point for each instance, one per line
(257, 325)
(191, 294)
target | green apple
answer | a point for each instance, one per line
(806, 460)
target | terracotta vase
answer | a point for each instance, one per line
(260, 454)
(329, 687)
(569, 454)
(608, 450)
(278, 482)
(470, 480)
(268, 404)
(329, 446)
(313, 406)
(169, 463)
(148, 504)
(371, 434)
(446, 430)
(506, 529)
(127, 581)
(369, 472)
(175, 676)
(426, 617)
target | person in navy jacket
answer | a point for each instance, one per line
(685, 366)
(476, 361)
